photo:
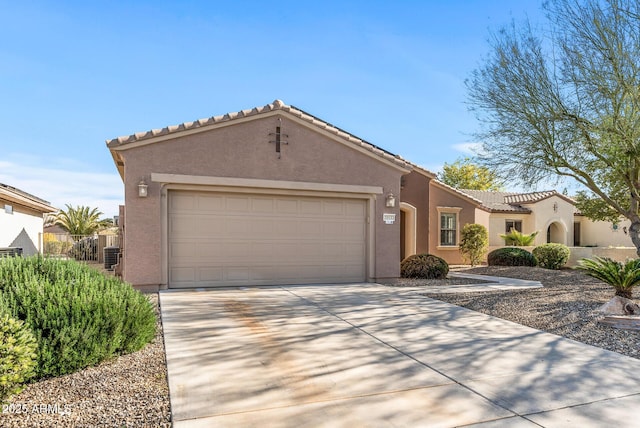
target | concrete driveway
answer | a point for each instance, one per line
(366, 355)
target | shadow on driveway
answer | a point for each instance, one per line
(369, 355)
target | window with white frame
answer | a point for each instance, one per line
(8, 209)
(448, 229)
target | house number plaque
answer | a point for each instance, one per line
(389, 218)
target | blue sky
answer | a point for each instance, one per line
(74, 74)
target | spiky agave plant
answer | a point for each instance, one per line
(621, 276)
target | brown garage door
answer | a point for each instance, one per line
(223, 239)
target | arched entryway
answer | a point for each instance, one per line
(557, 233)
(407, 230)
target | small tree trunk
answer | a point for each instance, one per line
(634, 233)
(626, 293)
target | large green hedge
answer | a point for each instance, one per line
(78, 316)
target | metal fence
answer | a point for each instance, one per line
(78, 247)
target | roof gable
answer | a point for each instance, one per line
(277, 107)
(459, 193)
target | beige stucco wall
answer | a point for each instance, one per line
(543, 215)
(620, 254)
(603, 234)
(497, 225)
(22, 218)
(242, 150)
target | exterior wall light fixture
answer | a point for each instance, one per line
(390, 200)
(143, 189)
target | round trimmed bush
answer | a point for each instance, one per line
(17, 355)
(425, 266)
(551, 256)
(511, 256)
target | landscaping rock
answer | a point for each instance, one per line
(619, 306)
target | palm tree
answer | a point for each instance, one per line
(79, 221)
(518, 239)
(621, 276)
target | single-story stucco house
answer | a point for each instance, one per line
(275, 195)
(22, 219)
(271, 195)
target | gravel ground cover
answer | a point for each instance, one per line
(565, 306)
(132, 390)
(129, 391)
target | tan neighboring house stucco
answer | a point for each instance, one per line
(212, 179)
(551, 214)
(22, 219)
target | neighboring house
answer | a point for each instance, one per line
(22, 219)
(271, 195)
(551, 214)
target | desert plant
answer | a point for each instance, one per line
(511, 256)
(79, 221)
(78, 315)
(621, 276)
(518, 239)
(17, 355)
(425, 266)
(551, 256)
(474, 242)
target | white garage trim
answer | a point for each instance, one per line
(268, 188)
(262, 184)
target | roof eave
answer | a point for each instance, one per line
(119, 144)
(44, 208)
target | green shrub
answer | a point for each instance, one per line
(426, 266)
(474, 242)
(518, 239)
(511, 256)
(621, 276)
(17, 355)
(78, 315)
(551, 256)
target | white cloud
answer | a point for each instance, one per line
(64, 186)
(468, 148)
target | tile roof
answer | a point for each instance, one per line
(26, 198)
(274, 106)
(528, 198)
(511, 201)
(495, 201)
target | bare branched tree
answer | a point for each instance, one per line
(563, 100)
